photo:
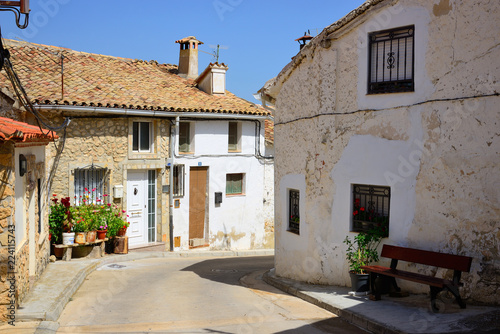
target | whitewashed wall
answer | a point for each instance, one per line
(437, 148)
(239, 221)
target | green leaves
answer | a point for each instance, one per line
(362, 250)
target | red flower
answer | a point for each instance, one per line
(355, 212)
(362, 209)
(109, 204)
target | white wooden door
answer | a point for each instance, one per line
(137, 195)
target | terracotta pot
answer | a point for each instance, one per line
(91, 236)
(122, 232)
(80, 237)
(101, 234)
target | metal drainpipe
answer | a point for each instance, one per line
(173, 131)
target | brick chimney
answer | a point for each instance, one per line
(188, 57)
(213, 79)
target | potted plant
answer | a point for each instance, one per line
(60, 222)
(362, 251)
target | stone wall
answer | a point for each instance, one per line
(437, 148)
(106, 142)
(6, 219)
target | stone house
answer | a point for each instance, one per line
(158, 140)
(24, 237)
(394, 108)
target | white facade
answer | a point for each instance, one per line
(436, 147)
(239, 221)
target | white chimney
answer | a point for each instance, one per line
(188, 57)
(213, 79)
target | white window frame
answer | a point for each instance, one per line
(151, 137)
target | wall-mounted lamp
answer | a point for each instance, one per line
(23, 165)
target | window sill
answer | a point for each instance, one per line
(186, 153)
(235, 195)
(293, 231)
(235, 151)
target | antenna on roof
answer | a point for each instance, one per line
(24, 8)
(215, 53)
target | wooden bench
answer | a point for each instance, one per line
(457, 263)
(98, 247)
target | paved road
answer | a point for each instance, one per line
(191, 295)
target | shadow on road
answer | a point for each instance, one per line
(229, 270)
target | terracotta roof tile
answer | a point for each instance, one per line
(113, 82)
(23, 132)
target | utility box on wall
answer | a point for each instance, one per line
(118, 191)
(218, 198)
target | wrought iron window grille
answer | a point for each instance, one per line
(94, 179)
(371, 208)
(294, 211)
(391, 60)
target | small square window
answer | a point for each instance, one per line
(178, 171)
(391, 60)
(371, 208)
(294, 211)
(142, 137)
(235, 184)
(185, 137)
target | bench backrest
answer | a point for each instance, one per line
(435, 259)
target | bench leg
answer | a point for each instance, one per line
(456, 294)
(395, 285)
(373, 288)
(434, 293)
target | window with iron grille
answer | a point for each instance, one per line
(142, 137)
(294, 211)
(90, 182)
(178, 171)
(235, 184)
(371, 208)
(391, 60)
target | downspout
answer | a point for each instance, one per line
(171, 183)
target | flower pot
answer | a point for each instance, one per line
(68, 238)
(101, 235)
(80, 237)
(91, 236)
(360, 282)
(121, 232)
(57, 252)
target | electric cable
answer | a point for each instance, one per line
(21, 94)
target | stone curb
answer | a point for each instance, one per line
(354, 318)
(54, 312)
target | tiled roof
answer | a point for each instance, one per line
(105, 81)
(269, 131)
(23, 132)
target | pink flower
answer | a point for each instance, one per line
(109, 204)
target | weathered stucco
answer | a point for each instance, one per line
(437, 148)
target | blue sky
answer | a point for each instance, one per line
(259, 35)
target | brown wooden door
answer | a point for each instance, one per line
(197, 201)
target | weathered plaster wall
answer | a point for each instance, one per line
(437, 148)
